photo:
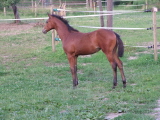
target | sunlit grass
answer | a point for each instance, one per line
(36, 83)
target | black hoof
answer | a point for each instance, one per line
(74, 87)
(124, 84)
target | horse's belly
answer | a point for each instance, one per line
(87, 51)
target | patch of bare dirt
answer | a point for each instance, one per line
(133, 84)
(137, 53)
(84, 64)
(85, 56)
(56, 64)
(111, 116)
(144, 52)
(14, 29)
(132, 57)
(156, 112)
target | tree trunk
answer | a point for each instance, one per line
(110, 9)
(16, 14)
(101, 12)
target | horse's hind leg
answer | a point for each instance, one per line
(120, 66)
(113, 64)
(114, 67)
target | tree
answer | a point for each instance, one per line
(110, 17)
(12, 3)
(101, 10)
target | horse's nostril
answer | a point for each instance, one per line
(44, 31)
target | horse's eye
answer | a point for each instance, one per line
(46, 21)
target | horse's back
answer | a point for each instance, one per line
(106, 34)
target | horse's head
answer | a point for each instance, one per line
(49, 24)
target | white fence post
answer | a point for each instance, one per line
(154, 10)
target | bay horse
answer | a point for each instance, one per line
(76, 43)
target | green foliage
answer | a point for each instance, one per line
(148, 1)
(6, 3)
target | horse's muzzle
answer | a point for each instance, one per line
(44, 31)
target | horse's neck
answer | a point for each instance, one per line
(62, 30)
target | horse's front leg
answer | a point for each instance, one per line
(73, 66)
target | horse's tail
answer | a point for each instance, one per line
(120, 45)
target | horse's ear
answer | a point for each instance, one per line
(49, 15)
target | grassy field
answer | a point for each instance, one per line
(35, 83)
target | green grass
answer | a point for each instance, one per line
(36, 84)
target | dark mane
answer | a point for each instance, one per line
(66, 23)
